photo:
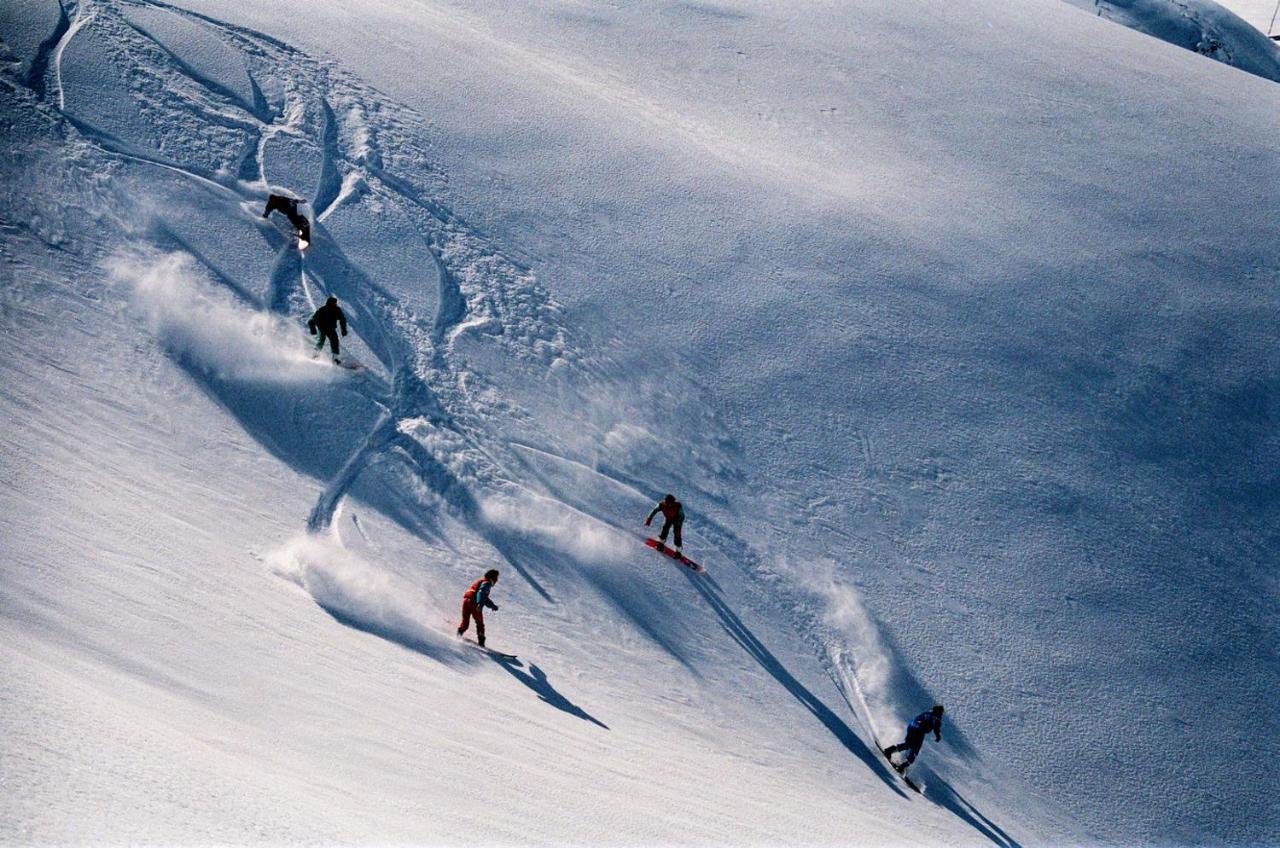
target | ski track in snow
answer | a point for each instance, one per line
(420, 372)
(297, 140)
(308, 127)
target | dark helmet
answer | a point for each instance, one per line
(491, 574)
(669, 499)
(937, 709)
(333, 301)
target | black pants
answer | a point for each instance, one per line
(289, 207)
(915, 741)
(330, 333)
(303, 226)
(668, 526)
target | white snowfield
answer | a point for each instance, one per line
(953, 326)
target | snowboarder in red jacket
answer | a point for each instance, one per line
(673, 513)
(474, 600)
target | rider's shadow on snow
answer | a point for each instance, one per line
(406, 634)
(942, 794)
(536, 679)
(741, 634)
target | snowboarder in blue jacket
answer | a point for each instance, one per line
(926, 722)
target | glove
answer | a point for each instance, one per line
(493, 606)
(646, 521)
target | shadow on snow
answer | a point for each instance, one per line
(536, 679)
(734, 626)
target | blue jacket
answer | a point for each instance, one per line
(927, 722)
(479, 594)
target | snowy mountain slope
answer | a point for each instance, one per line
(148, 649)
(1257, 13)
(1080, 315)
(1201, 26)
(1006, 427)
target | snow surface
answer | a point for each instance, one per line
(1202, 26)
(1257, 13)
(954, 328)
(29, 27)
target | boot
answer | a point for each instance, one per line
(480, 639)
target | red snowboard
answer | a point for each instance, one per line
(671, 552)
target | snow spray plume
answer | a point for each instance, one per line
(556, 525)
(205, 327)
(863, 665)
(360, 595)
(858, 657)
(658, 422)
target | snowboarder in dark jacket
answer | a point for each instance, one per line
(324, 325)
(926, 722)
(673, 515)
(474, 600)
(289, 206)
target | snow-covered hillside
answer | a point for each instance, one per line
(1202, 26)
(957, 340)
(1257, 13)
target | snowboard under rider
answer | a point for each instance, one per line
(324, 325)
(474, 600)
(673, 515)
(926, 722)
(289, 206)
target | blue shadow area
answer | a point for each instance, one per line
(399, 636)
(945, 796)
(536, 679)
(741, 634)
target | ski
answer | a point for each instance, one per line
(673, 554)
(490, 651)
(498, 654)
(347, 363)
(902, 774)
